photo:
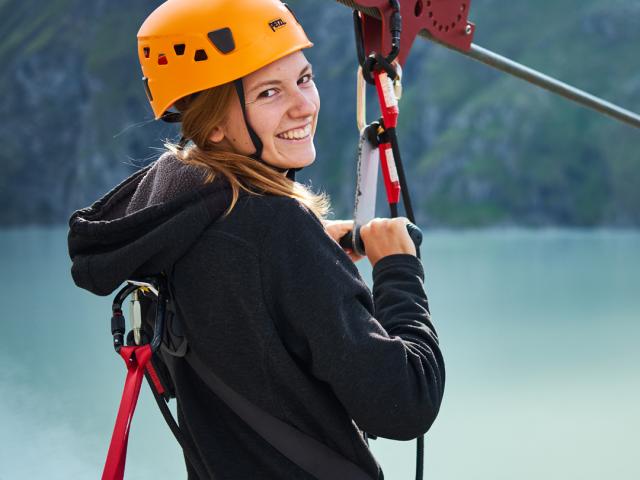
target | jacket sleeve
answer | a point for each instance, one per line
(385, 367)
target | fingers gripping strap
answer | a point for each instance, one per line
(136, 360)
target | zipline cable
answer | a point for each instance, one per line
(551, 84)
(525, 73)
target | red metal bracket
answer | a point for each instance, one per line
(446, 21)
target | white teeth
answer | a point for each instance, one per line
(296, 134)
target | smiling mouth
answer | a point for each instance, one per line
(296, 134)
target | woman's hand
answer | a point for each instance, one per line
(386, 236)
(338, 229)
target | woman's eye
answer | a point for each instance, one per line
(272, 91)
(267, 94)
(306, 78)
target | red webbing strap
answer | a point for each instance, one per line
(136, 359)
(389, 108)
(157, 384)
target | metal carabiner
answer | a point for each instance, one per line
(135, 314)
(361, 95)
(136, 310)
(156, 285)
(139, 283)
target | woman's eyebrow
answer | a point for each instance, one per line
(277, 82)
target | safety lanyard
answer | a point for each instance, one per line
(137, 359)
(390, 112)
(312, 456)
(386, 76)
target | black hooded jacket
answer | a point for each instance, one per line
(277, 310)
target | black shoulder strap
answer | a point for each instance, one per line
(187, 446)
(309, 454)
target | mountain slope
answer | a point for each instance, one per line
(480, 148)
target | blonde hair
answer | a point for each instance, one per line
(201, 113)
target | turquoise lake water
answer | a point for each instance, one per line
(539, 329)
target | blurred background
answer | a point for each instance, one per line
(530, 204)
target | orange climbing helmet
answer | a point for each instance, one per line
(186, 46)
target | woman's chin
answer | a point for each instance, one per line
(304, 163)
(295, 159)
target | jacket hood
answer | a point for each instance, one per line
(143, 225)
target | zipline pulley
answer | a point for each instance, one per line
(382, 20)
(446, 23)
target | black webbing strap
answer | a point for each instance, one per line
(392, 136)
(187, 446)
(309, 454)
(171, 117)
(255, 139)
(176, 117)
(254, 136)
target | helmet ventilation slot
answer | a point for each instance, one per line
(222, 39)
(200, 56)
(192, 46)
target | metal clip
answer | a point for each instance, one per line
(136, 310)
(136, 318)
(144, 285)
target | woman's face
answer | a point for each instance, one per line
(282, 105)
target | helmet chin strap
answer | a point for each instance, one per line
(257, 143)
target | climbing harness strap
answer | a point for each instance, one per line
(309, 454)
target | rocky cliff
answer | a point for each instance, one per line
(480, 148)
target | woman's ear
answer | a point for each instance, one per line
(217, 135)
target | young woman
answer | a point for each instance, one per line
(265, 296)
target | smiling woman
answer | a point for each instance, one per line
(285, 366)
(288, 111)
(250, 98)
(282, 102)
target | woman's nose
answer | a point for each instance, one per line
(303, 104)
